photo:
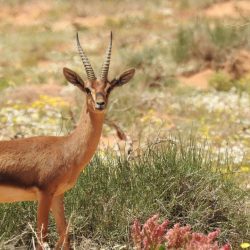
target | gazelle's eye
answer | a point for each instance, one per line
(88, 91)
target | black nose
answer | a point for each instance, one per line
(101, 103)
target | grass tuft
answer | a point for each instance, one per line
(176, 179)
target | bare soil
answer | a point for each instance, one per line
(198, 80)
(27, 14)
(231, 9)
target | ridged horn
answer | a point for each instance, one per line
(105, 65)
(88, 68)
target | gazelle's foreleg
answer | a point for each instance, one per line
(57, 208)
(44, 203)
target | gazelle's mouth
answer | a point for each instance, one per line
(100, 107)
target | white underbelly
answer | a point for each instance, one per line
(13, 194)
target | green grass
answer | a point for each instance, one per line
(183, 4)
(175, 179)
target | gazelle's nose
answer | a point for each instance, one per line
(100, 102)
(100, 105)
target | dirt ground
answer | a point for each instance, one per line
(230, 9)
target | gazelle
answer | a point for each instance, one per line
(43, 168)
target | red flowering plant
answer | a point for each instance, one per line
(155, 236)
(149, 236)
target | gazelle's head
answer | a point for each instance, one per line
(97, 89)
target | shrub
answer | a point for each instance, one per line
(182, 47)
(243, 84)
(208, 41)
(221, 81)
(155, 236)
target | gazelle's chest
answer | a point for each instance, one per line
(66, 182)
(64, 188)
(69, 179)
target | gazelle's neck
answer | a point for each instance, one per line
(84, 140)
(89, 122)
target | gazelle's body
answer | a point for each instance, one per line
(57, 165)
(43, 168)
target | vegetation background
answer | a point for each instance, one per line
(177, 138)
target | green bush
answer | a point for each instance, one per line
(221, 81)
(227, 36)
(181, 48)
(243, 84)
(208, 40)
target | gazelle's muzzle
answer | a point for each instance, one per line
(100, 102)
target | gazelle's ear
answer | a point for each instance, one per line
(74, 78)
(125, 77)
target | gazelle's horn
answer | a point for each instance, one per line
(85, 60)
(105, 65)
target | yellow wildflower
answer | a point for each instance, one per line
(245, 245)
(245, 169)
